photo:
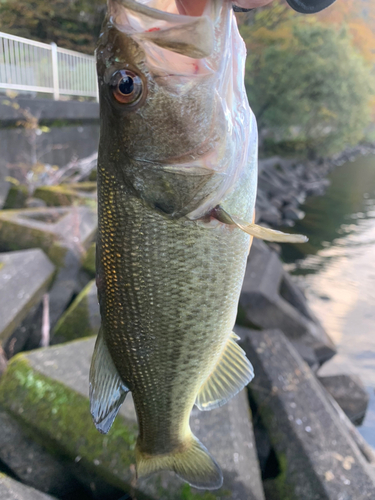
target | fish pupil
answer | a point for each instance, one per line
(126, 85)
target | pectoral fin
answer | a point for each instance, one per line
(107, 390)
(231, 374)
(263, 233)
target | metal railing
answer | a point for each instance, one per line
(29, 66)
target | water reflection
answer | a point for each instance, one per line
(337, 267)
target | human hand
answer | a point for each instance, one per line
(196, 7)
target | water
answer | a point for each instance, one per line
(337, 269)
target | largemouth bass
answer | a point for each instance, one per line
(177, 177)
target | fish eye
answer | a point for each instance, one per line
(127, 87)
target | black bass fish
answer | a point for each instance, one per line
(177, 176)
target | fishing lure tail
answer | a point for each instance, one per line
(192, 463)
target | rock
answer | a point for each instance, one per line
(66, 285)
(228, 434)
(263, 445)
(274, 161)
(88, 262)
(93, 175)
(82, 319)
(68, 282)
(28, 335)
(277, 202)
(3, 361)
(55, 230)
(17, 196)
(35, 203)
(350, 394)
(317, 456)
(48, 391)
(24, 279)
(4, 185)
(271, 185)
(291, 213)
(271, 216)
(307, 353)
(269, 299)
(13, 490)
(33, 465)
(267, 163)
(67, 194)
(316, 188)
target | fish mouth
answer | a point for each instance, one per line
(167, 10)
(166, 27)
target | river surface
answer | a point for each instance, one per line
(337, 270)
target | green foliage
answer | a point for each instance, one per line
(72, 24)
(307, 84)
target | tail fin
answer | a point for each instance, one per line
(193, 464)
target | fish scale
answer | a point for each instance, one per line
(146, 319)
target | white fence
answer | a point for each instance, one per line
(29, 66)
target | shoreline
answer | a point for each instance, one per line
(285, 183)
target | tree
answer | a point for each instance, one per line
(307, 82)
(359, 17)
(72, 24)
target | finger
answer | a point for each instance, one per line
(196, 7)
(251, 4)
(191, 7)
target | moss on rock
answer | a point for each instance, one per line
(60, 418)
(88, 262)
(17, 236)
(66, 194)
(17, 196)
(75, 322)
(278, 488)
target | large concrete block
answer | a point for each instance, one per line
(17, 196)
(350, 393)
(55, 230)
(24, 278)
(88, 261)
(4, 184)
(13, 490)
(318, 457)
(33, 465)
(228, 433)
(48, 391)
(3, 361)
(269, 299)
(82, 319)
(67, 194)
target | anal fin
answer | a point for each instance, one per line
(107, 390)
(231, 374)
(263, 233)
